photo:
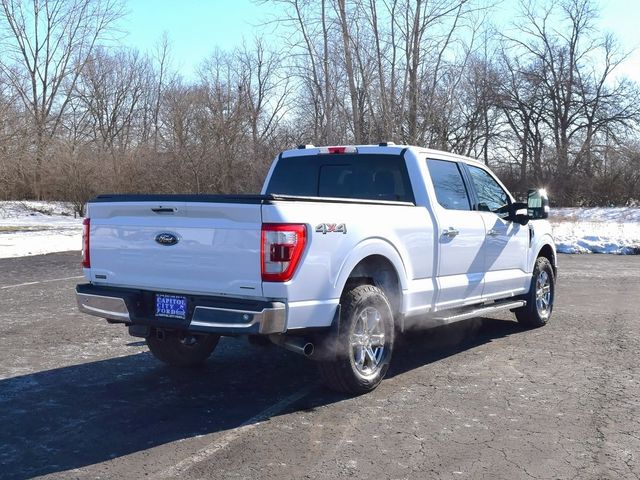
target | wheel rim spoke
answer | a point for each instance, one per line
(359, 357)
(372, 356)
(367, 341)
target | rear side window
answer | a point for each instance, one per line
(293, 178)
(369, 177)
(448, 184)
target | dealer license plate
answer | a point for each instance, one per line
(172, 306)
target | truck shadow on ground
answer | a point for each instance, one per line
(417, 348)
(66, 418)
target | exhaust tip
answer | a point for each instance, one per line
(296, 344)
(307, 349)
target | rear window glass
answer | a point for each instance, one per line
(370, 177)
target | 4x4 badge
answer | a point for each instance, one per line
(325, 228)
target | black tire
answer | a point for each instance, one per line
(180, 350)
(366, 317)
(539, 305)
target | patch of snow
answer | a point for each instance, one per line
(596, 230)
(35, 228)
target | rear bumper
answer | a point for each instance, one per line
(206, 314)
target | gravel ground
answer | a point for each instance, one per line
(479, 399)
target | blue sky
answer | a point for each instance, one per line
(197, 27)
(622, 18)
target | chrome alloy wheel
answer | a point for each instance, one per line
(367, 341)
(543, 294)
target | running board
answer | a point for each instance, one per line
(480, 311)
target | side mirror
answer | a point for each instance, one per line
(537, 204)
(516, 217)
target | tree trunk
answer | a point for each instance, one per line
(348, 59)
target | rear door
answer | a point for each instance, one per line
(216, 249)
(460, 237)
(506, 242)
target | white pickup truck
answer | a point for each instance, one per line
(344, 248)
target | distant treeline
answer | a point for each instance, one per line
(538, 100)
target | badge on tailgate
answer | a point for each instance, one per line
(167, 239)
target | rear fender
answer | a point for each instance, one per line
(367, 248)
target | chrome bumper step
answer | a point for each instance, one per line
(112, 308)
(478, 311)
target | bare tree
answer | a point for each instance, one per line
(46, 44)
(350, 70)
(540, 102)
(111, 88)
(162, 59)
(264, 89)
(563, 49)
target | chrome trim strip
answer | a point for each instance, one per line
(113, 308)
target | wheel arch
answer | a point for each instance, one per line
(379, 264)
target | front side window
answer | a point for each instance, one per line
(491, 196)
(451, 191)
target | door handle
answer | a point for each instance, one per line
(493, 233)
(450, 232)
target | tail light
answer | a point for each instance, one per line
(282, 248)
(86, 257)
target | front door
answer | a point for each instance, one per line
(460, 238)
(506, 242)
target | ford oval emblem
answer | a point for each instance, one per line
(167, 239)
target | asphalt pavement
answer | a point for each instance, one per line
(482, 398)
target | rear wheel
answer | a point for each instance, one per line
(181, 350)
(540, 297)
(364, 344)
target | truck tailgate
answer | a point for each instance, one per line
(217, 249)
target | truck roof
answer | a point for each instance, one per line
(388, 148)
